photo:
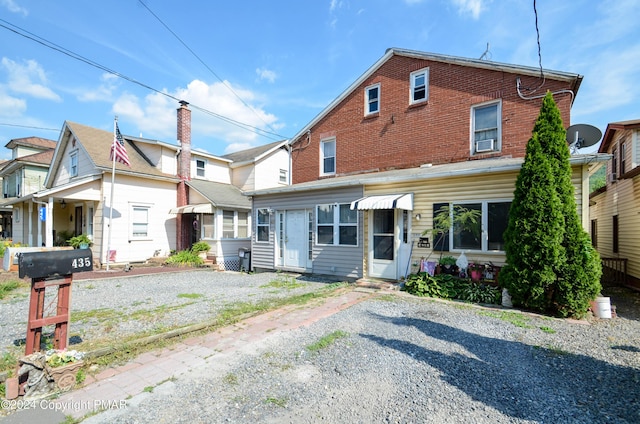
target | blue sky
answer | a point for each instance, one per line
(274, 65)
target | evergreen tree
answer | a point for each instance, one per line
(544, 223)
(579, 276)
(534, 233)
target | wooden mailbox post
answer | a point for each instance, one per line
(51, 269)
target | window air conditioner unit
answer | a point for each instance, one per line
(613, 177)
(484, 145)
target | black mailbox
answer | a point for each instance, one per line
(55, 262)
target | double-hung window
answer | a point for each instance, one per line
(419, 86)
(337, 225)
(73, 164)
(139, 221)
(328, 156)
(486, 127)
(262, 225)
(372, 99)
(200, 168)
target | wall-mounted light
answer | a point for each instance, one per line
(63, 204)
(418, 217)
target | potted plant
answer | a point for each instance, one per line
(458, 219)
(448, 265)
(475, 271)
(201, 248)
(80, 242)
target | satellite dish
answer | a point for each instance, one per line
(582, 135)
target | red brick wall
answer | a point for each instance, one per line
(437, 132)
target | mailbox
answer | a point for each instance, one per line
(54, 262)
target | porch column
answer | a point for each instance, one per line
(30, 225)
(48, 225)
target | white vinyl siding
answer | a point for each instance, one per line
(73, 164)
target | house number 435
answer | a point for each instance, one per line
(81, 262)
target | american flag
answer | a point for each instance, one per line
(118, 147)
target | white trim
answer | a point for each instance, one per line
(412, 82)
(368, 102)
(497, 143)
(323, 142)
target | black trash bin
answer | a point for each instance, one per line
(244, 255)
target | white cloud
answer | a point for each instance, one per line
(472, 7)
(104, 92)
(266, 74)
(11, 106)
(13, 7)
(28, 78)
(156, 114)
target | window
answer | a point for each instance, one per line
(486, 128)
(283, 176)
(243, 224)
(328, 156)
(139, 221)
(623, 164)
(372, 99)
(90, 221)
(616, 230)
(337, 225)
(208, 225)
(262, 225)
(478, 226)
(594, 232)
(73, 164)
(200, 166)
(419, 86)
(614, 164)
(227, 224)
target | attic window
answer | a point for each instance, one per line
(73, 164)
(372, 99)
(419, 86)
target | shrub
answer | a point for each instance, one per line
(201, 246)
(185, 258)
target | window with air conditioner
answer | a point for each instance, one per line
(486, 127)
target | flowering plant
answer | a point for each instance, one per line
(475, 266)
(57, 358)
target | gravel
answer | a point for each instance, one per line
(395, 359)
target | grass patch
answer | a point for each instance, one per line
(230, 378)
(148, 389)
(281, 402)
(327, 340)
(190, 295)
(283, 282)
(516, 319)
(7, 287)
(548, 330)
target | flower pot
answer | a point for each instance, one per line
(476, 275)
(65, 376)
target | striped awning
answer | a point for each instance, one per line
(390, 201)
(199, 208)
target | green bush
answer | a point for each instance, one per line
(186, 258)
(447, 286)
(201, 246)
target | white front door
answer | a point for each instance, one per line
(295, 239)
(382, 244)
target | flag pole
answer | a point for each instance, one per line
(113, 178)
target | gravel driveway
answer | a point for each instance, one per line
(395, 359)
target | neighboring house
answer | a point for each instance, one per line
(24, 174)
(157, 205)
(414, 133)
(615, 221)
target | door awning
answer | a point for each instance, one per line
(200, 208)
(390, 201)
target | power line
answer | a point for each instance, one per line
(205, 65)
(30, 127)
(49, 44)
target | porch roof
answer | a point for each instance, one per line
(391, 201)
(199, 208)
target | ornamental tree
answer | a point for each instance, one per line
(567, 276)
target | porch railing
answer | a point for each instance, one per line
(614, 271)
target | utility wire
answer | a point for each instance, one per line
(205, 65)
(30, 127)
(33, 37)
(542, 77)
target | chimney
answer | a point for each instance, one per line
(183, 227)
(184, 138)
